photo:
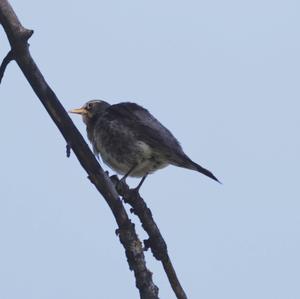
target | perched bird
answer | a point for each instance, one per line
(131, 140)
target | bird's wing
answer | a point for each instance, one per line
(144, 126)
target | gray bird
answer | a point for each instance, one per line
(132, 141)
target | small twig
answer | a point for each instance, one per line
(155, 242)
(68, 150)
(7, 59)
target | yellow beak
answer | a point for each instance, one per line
(78, 111)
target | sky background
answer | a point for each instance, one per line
(223, 76)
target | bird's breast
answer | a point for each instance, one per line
(121, 151)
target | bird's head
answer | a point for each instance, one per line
(90, 110)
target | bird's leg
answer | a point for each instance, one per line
(128, 173)
(136, 189)
(123, 179)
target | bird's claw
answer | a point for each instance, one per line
(120, 185)
(115, 180)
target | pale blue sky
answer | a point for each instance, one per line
(223, 76)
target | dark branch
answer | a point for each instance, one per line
(7, 59)
(18, 36)
(155, 242)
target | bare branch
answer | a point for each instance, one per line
(7, 59)
(155, 242)
(18, 36)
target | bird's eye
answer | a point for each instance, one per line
(89, 106)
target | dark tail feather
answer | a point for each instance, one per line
(186, 162)
(204, 171)
(182, 160)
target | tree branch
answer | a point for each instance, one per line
(18, 37)
(7, 59)
(155, 242)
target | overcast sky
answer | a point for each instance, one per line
(223, 76)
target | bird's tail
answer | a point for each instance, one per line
(186, 162)
(204, 171)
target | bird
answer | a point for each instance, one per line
(131, 141)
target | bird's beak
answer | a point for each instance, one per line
(78, 111)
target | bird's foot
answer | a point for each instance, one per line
(114, 178)
(120, 185)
